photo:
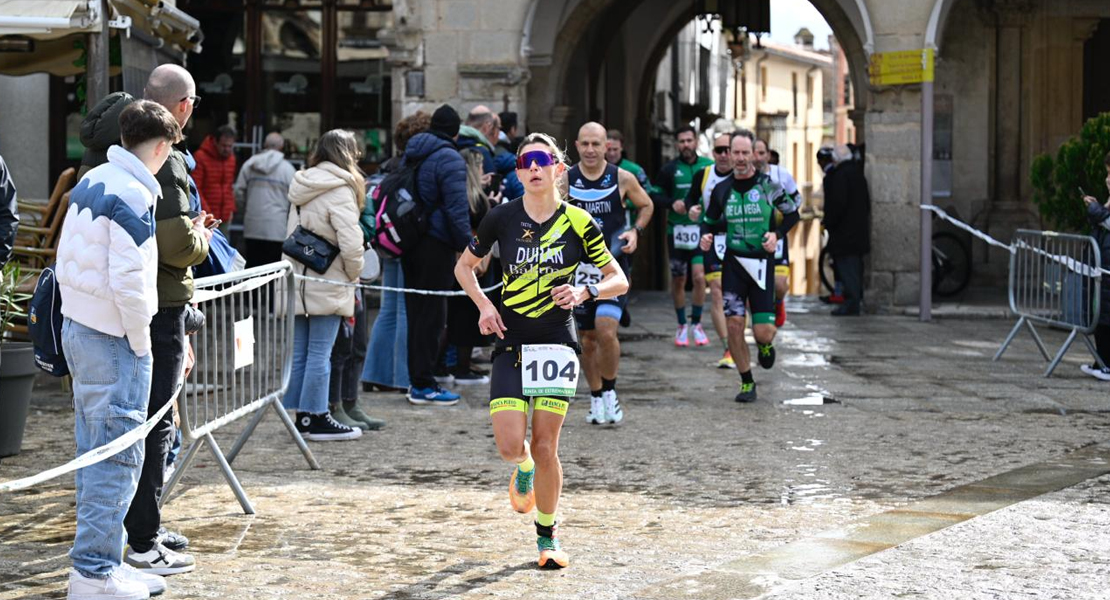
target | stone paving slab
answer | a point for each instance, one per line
(690, 482)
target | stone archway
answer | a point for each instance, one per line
(564, 39)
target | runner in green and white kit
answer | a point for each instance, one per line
(674, 181)
(746, 204)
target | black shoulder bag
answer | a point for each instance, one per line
(309, 249)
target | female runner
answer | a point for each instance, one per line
(543, 240)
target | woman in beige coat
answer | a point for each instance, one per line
(327, 200)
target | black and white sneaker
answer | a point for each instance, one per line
(172, 540)
(323, 428)
(160, 560)
(471, 377)
(1096, 371)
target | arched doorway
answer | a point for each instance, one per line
(598, 60)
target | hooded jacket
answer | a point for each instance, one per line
(441, 184)
(100, 130)
(262, 189)
(107, 255)
(472, 138)
(847, 210)
(324, 202)
(214, 176)
(180, 247)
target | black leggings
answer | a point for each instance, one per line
(1102, 342)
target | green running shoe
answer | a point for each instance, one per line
(766, 355)
(552, 555)
(522, 496)
(747, 392)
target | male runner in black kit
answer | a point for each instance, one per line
(600, 188)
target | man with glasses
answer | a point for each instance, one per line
(182, 244)
(675, 180)
(697, 199)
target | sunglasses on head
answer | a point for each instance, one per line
(721, 150)
(539, 157)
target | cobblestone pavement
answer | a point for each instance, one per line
(689, 482)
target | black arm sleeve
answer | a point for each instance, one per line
(693, 196)
(789, 220)
(9, 214)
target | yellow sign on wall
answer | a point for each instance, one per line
(902, 67)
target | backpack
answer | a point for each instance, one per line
(44, 322)
(400, 220)
(366, 220)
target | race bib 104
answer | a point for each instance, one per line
(548, 370)
(686, 237)
(587, 274)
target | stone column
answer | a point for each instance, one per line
(893, 168)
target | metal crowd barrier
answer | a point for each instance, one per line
(1054, 281)
(244, 354)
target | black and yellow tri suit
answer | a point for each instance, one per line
(535, 258)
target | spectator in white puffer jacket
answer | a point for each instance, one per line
(107, 274)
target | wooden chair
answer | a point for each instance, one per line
(34, 215)
(36, 258)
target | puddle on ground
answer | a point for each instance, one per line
(815, 397)
(805, 359)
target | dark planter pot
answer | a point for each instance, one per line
(17, 379)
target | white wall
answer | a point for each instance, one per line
(24, 132)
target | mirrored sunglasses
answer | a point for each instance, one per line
(539, 157)
(721, 149)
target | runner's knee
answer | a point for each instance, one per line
(764, 334)
(545, 450)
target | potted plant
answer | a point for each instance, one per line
(17, 364)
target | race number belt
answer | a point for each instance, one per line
(548, 370)
(587, 274)
(757, 268)
(686, 236)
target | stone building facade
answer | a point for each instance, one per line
(1009, 73)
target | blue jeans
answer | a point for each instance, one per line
(387, 356)
(313, 337)
(111, 388)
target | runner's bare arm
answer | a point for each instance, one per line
(613, 283)
(490, 320)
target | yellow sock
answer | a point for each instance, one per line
(545, 519)
(527, 464)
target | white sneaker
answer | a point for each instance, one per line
(597, 410)
(700, 339)
(680, 336)
(1096, 372)
(160, 560)
(114, 587)
(613, 412)
(155, 584)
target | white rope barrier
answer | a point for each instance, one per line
(366, 286)
(968, 228)
(1070, 263)
(91, 457)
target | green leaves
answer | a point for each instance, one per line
(11, 301)
(1079, 163)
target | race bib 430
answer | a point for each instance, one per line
(686, 237)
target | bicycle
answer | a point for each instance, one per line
(951, 264)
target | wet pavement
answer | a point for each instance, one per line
(868, 435)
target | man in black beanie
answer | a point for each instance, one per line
(441, 189)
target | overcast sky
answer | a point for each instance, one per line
(788, 16)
